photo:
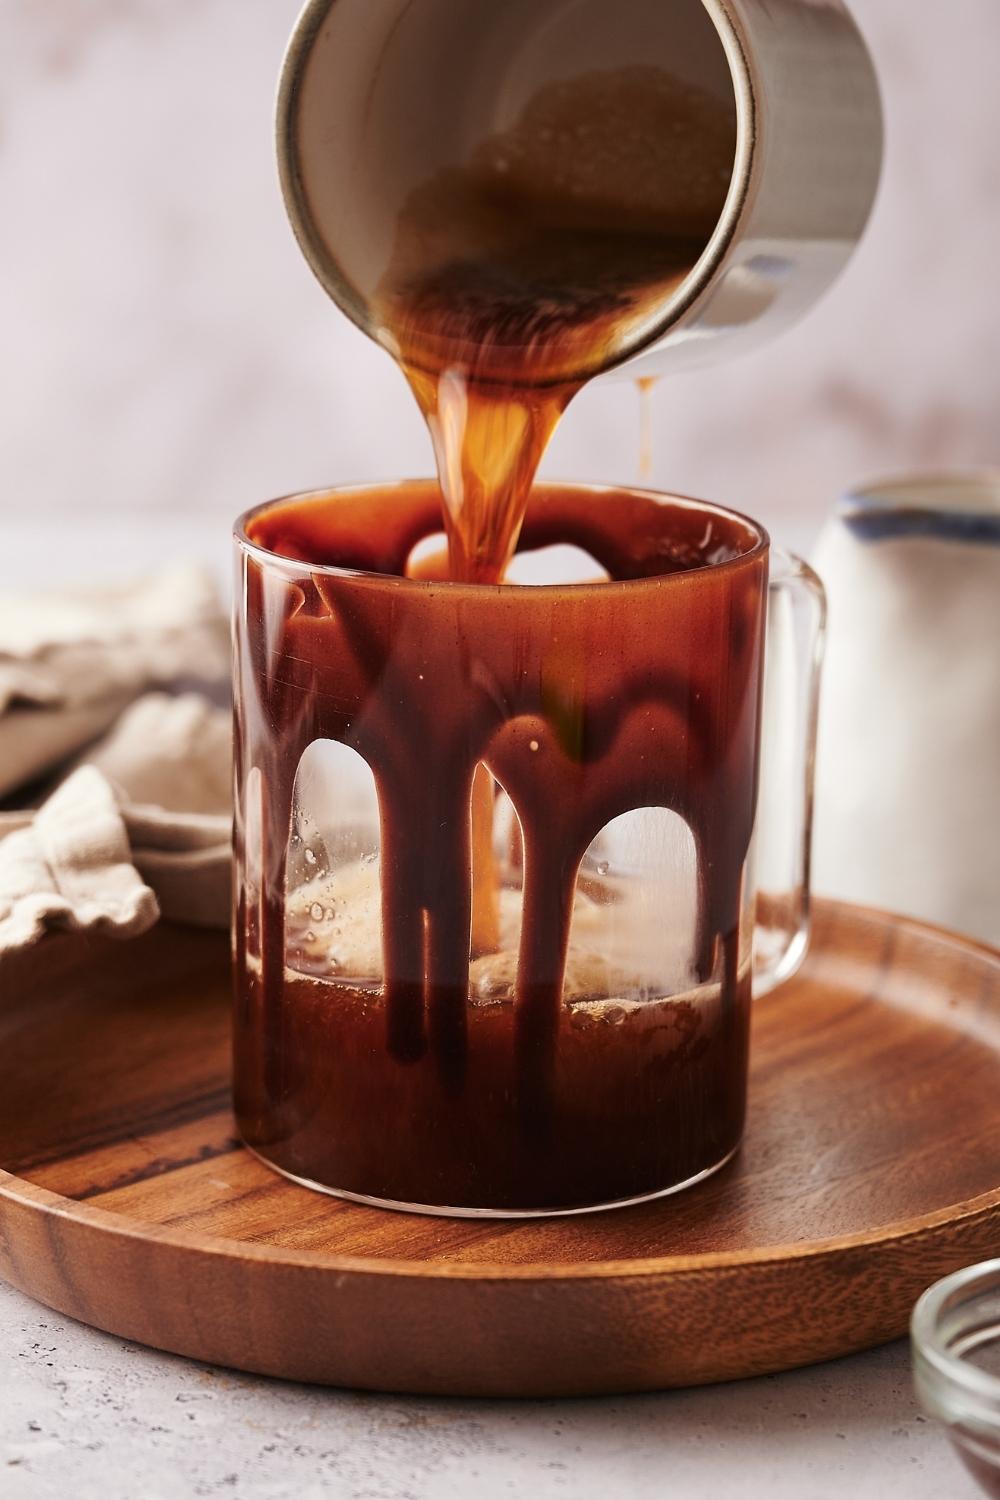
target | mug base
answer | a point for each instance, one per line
(440, 1211)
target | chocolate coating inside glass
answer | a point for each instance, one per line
(420, 1085)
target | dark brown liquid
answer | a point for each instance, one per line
(582, 703)
(639, 1098)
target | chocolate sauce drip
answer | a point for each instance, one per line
(583, 702)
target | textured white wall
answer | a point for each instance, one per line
(165, 347)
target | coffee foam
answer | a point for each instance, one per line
(334, 931)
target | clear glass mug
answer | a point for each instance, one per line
(506, 861)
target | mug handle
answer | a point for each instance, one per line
(782, 844)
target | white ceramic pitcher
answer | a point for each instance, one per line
(908, 777)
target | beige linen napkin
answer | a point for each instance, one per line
(70, 661)
(72, 867)
(140, 827)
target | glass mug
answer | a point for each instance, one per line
(498, 888)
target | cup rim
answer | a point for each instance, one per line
(345, 295)
(761, 547)
(950, 1368)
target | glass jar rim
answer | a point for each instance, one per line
(759, 541)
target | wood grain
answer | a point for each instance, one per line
(871, 1167)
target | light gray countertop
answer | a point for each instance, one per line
(84, 1416)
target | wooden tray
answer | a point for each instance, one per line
(871, 1167)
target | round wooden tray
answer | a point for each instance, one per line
(871, 1167)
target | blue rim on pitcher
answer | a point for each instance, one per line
(960, 506)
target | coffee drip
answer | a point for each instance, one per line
(645, 386)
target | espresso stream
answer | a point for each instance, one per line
(512, 278)
(539, 262)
